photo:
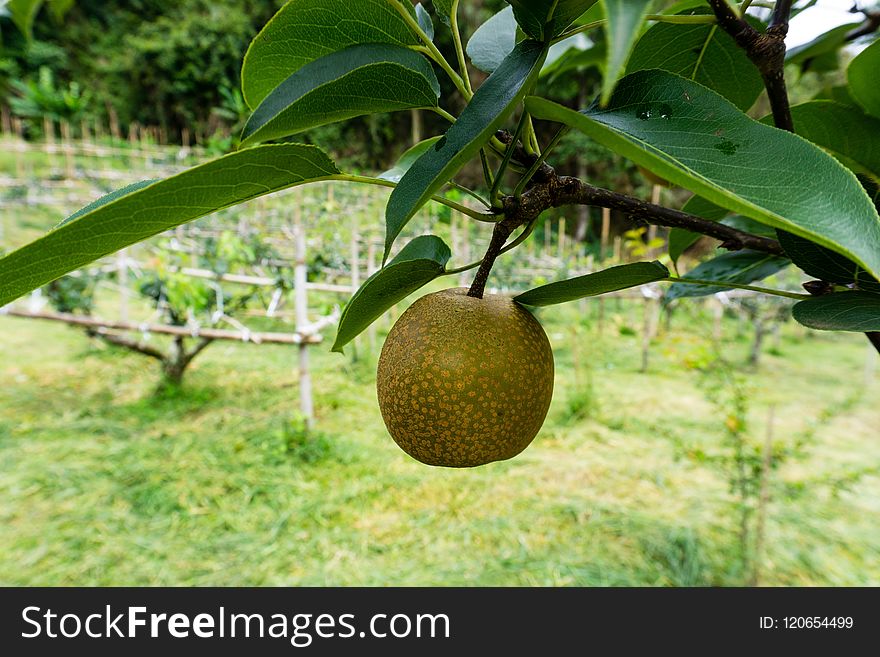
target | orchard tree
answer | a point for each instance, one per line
(466, 377)
(179, 300)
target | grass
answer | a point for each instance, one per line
(104, 483)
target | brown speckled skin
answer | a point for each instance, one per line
(464, 381)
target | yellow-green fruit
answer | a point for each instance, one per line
(465, 381)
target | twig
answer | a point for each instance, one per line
(120, 341)
(871, 25)
(195, 351)
(564, 190)
(500, 234)
(765, 50)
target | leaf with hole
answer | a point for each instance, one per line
(359, 80)
(492, 103)
(147, 209)
(841, 311)
(739, 267)
(417, 264)
(613, 279)
(305, 30)
(691, 136)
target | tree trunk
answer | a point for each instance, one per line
(174, 364)
(178, 359)
(755, 355)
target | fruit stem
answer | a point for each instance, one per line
(501, 232)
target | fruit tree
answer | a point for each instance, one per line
(466, 377)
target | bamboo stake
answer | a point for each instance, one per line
(49, 140)
(606, 232)
(561, 236)
(371, 269)
(122, 280)
(302, 310)
(67, 147)
(5, 120)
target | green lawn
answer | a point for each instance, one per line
(103, 483)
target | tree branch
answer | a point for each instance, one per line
(195, 351)
(564, 190)
(871, 25)
(781, 14)
(766, 51)
(502, 231)
(132, 345)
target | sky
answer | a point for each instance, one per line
(825, 15)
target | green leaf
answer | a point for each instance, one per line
(749, 226)
(305, 30)
(575, 44)
(417, 264)
(576, 53)
(406, 160)
(740, 267)
(425, 20)
(680, 240)
(847, 133)
(443, 9)
(702, 53)
(691, 136)
(625, 21)
(602, 282)
(826, 265)
(545, 19)
(839, 94)
(149, 209)
(700, 207)
(108, 198)
(59, 8)
(492, 103)
(862, 77)
(362, 79)
(493, 41)
(828, 43)
(23, 13)
(841, 311)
